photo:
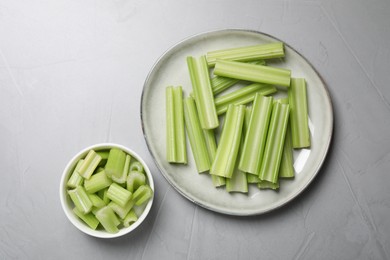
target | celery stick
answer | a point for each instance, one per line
(275, 142)
(253, 72)
(104, 155)
(96, 200)
(252, 178)
(75, 179)
(176, 141)
(89, 165)
(142, 194)
(247, 53)
(103, 195)
(118, 194)
(242, 96)
(212, 150)
(108, 219)
(195, 135)
(121, 211)
(227, 151)
(268, 185)
(115, 163)
(122, 179)
(238, 182)
(255, 137)
(130, 218)
(80, 199)
(88, 218)
(136, 166)
(204, 98)
(134, 180)
(299, 113)
(97, 182)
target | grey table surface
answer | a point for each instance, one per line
(72, 74)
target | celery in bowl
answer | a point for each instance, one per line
(106, 190)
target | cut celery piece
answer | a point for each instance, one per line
(255, 137)
(195, 135)
(96, 200)
(229, 144)
(253, 72)
(242, 96)
(247, 53)
(97, 182)
(252, 178)
(268, 185)
(88, 218)
(104, 155)
(80, 199)
(211, 144)
(273, 150)
(103, 195)
(89, 165)
(238, 182)
(130, 218)
(134, 180)
(126, 167)
(142, 194)
(115, 163)
(75, 179)
(299, 113)
(204, 98)
(137, 166)
(176, 140)
(108, 219)
(118, 194)
(121, 211)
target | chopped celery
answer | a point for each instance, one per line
(104, 154)
(80, 199)
(136, 166)
(195, 135)
(299, 113)
(130, 218)
(96, 200)
(242, 96)
(253, 72)
(97, 182)
(204, 98)
(134, 180)
(247, 53)
(229, 143)
(256, 135)
(275, 141)
(75, 179)
(142, 194)
(126, 167)
(103, 195)
(89, 165)
(118, 194)
(121, 211)
(108, 219)
(212, 150)
(88, 218)
(176, 141)
(115, 163)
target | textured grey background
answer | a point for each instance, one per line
(71, 75)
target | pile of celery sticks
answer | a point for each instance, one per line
(256, 131)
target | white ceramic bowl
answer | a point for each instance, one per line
(67, 204)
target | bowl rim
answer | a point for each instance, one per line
(78, 223)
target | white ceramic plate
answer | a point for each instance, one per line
(171, 69)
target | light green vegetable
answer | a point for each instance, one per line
(136, 166)
(108, 219)
(118, 194)
(88, 218)
(89, 165)
(76, 179)
(96, 200)
(115, 163)
(121, 211)
(142, 194)
(268, 185)
(97, 182)
(211, 144)
(134, 180)
(126, 167)
(80, 199)
(130, 218)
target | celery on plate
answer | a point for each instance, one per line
(118, 194)
(176, 141)
(299, 113)
(115, 163)
(204, 98)
(247, 53)
(253, 72)
(88, 218)
(108, 219)
(97, 182)
(268, 185)
(211, 144)
(75, 179)
(80, 199)
(89, 165)
(229, 144)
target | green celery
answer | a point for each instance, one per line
(299, 113)
(268, 185)
(80, 199)
(275, 142)
(256, 134)
(204, 98)
(103, 195)
(130, 218)
(108, 219)
(195, 135)
(142, 194)
(121, 211)
(253, 72)
(252, 178)
(118, 194)
(96, 200)
(248, 112)
(242, 96)
(247, 53)
(88, 218)
(176, 141)
(238, 182)
(75, 179)
(97, 182)
(136, 166)
(212, 150)
(126, 167)
(229, 144)
(134, 180)
(89, 165)
(104, 154)
(115, 162)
